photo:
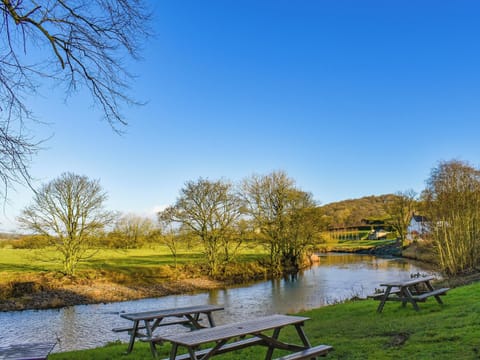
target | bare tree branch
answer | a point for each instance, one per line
(80, 44)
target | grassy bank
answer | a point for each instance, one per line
(356, 331)
(30, 278)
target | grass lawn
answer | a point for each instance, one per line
(356, 331)
(131, 261)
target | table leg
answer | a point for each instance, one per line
(408, 295)
(210, 319)
(173, 351)
(148, 329)
(384, 299)
(194, 321)
(133, 334)
(430, 288)
(302, 335)
(269, 354)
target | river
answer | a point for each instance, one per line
(337, 277)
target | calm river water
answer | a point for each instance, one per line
(335, 278)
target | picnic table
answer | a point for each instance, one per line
(189, 316)
(27, 351)
(410, 291)
(230, 337)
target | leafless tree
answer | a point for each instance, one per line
(209, 210)
(452, 205)
(400, 209)
(133, 230)
(72, 43)
(69, 212)
(278, 210)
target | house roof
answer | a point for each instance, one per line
(419, 218)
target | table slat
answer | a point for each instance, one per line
(154, 314)
(233, 330)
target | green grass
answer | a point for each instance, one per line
(33, 260)
(356, 331)
(354, 245)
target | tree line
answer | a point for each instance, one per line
(68, 213)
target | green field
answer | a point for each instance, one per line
(154, 263)
(356, 331)
(129, 262)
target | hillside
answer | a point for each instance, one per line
(351, 212)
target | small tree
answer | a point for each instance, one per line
(400, 209)
(69, 212)
(274, 204)
(167, 235)
(209, 209)
(452, 204)
(133, 230)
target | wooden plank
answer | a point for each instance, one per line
(27, 351)
(409, 283)
(175, 312)
(229, 331)
(226, 348)
(166, 323)
(319, 350)
(379, 296)
(436, 292)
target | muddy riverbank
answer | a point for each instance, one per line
(46, 292)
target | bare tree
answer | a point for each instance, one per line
(74, 43)
(400, 209)
(133, 230)
(169, 236)
(452, 204)
(274, 203)
(69, 212)
(209, 209)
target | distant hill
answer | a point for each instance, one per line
(9, 236)
(350, 212)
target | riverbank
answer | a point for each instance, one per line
(356, 331)
(132, 275)
(47, 292)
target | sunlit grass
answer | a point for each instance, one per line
(149, 262)
(356, 331)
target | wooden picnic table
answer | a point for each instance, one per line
(260, 331)
(26, 351)
(189, 316)
(410, 291)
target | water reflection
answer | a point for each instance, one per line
(335, 278)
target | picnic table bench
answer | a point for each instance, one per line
(262, 331)
(189, 316)
(410, 291)
(27, 351)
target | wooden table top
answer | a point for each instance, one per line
(228, 331)
(26, 351)
(408, 282)
(155, 314)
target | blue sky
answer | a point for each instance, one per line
(350, 98)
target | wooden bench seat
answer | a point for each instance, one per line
(320, 350)
(425, 295)
(379, 296)
(166, 323)
(128, 328)
(237, 345)
(28, 351)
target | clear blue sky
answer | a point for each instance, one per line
(350, 98)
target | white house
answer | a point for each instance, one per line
(418, 227)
